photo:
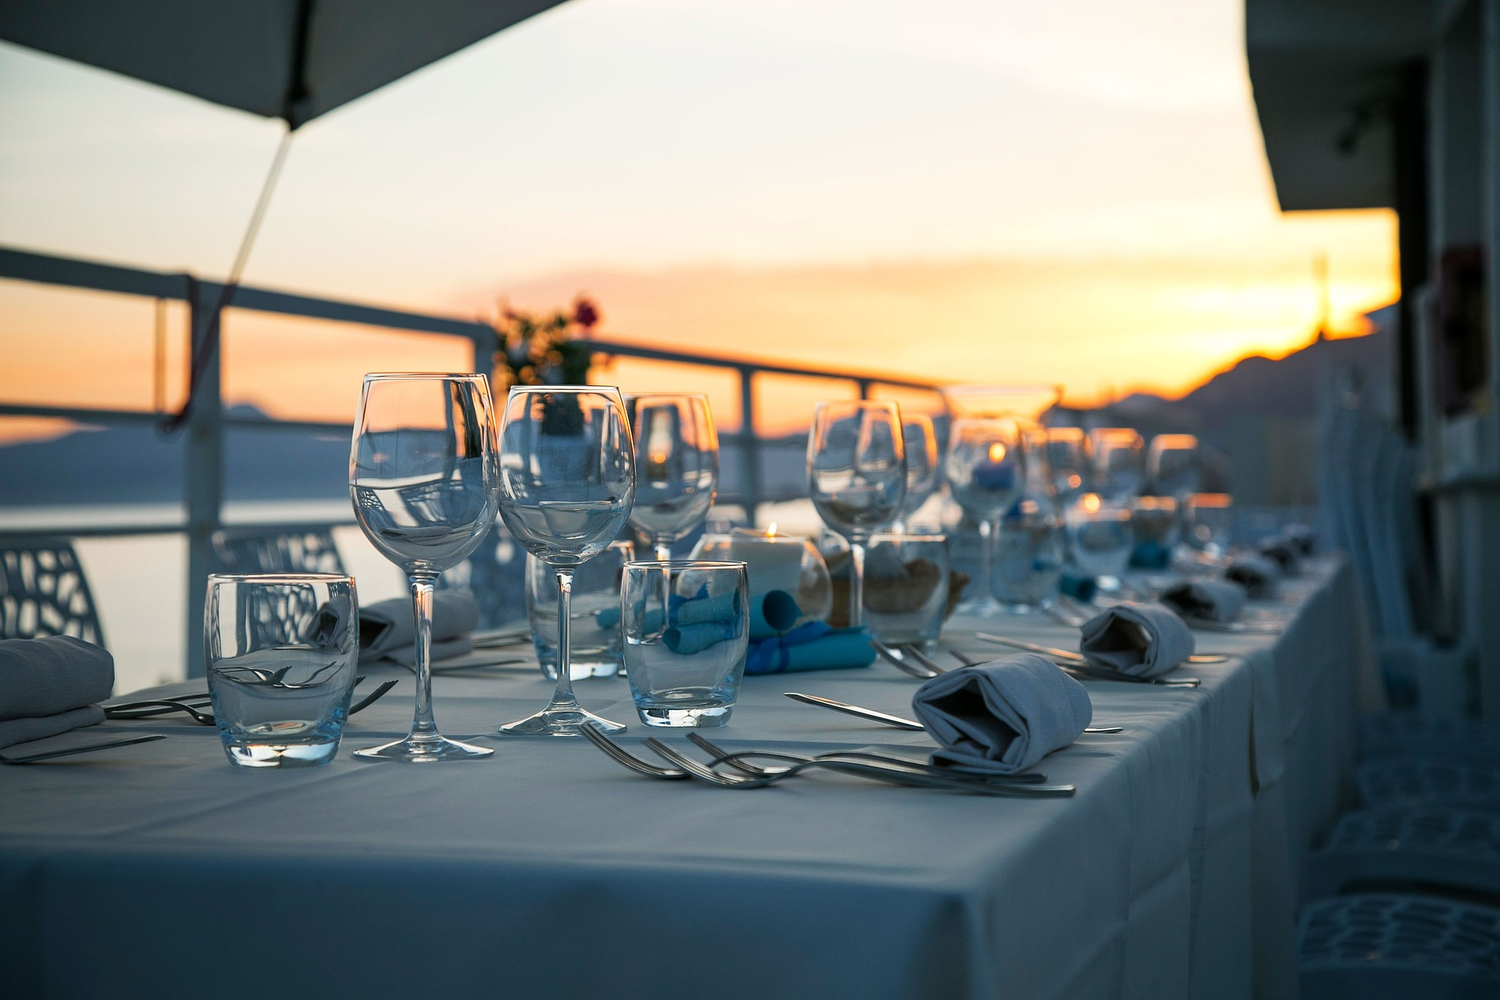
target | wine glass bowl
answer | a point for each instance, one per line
(1069, 459)
(923, 463)
(856, 476)
(1172, 464)
(1119, 463)
(422, 476)
(567, 484)
(677, 465)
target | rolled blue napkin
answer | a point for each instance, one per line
(1214, 600)
(813, 646)
(1082, 588)
(697, 623)
(1257, 575)
(772, 613)
(1002, 717)
(1141, 640)
(51, 685)
(388, 630)
(1150, 554)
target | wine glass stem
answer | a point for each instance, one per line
(422, 726)
(563, 695)
(856, 582)
(987, 533)
(663, 551)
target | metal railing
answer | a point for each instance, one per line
(203, 433)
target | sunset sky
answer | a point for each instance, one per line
(968, 190)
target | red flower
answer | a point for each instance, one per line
(585, 314)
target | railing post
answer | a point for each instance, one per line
(749, 444)
(486, 343)
(864, 388)
(203, 472)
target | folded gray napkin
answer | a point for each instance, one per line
(1283, 552)
(1002, 717)
(48, 686)
(1258, 576)
(1303, 538)
(388, 629)
(1212, 599)
(1142, 640)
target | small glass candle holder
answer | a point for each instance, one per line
(906, 587)
(774, 562)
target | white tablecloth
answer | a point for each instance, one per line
(547, 870)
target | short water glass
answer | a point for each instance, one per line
(1028, 557)
(1100, 539)
(687, 629)
(281, 653)
(906, 587)
(596, 642)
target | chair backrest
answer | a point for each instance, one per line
(43, 591)
(275, 550)
(496, 575)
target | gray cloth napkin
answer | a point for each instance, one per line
(1002, 717)
(1212, 599)
(46, 676)
(388, 630)
(1258, 576)
(1142, 640)
(1283, 552)
(13, 731)
(49, 686)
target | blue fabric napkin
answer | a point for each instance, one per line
(1142, 640)
(1214, 600)
(1082, 588)
(388, 629)
(1002, 717)
(813, 646)
(1258, 576)
(1150, 554)
(51, 685)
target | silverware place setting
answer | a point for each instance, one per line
(1074, 663)
(192, 705)
(896, 721)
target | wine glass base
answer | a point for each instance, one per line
(560, 722)
(984, 607)
(413, 751)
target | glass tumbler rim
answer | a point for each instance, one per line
(280, 578)
(686, 563)
(577, 390)
(413, 376)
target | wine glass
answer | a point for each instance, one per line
(1119, 463)
(676, 465)
(567, 481)
(987, 474)
(1068, 458)
(1172, 462)
(856, 476)
(922, 465)
(422, 473)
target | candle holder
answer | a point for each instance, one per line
(788, 564)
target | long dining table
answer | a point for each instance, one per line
(160, 870)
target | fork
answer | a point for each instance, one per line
(864, 769)
(90, 748)
(734, 759)
(922, 669)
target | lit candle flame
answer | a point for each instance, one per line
(771, 530)
(1090, 502)
(997, 452)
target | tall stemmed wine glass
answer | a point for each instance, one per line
(1069, 459)
(422, 473)
(676, 465)
(567, 482)
(1172, 463)
(987, 474)
(922, 465)
(856, 476)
